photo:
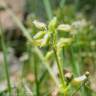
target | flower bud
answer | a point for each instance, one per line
(39, 35)
(39, 25)
(45, 40)
(52, 24)
(37, 42)
(48, 55)
(79, 80)
(63, 42)
(64, 27)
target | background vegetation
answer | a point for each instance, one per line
(50, 50)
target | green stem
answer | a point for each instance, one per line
(42, 77)
(40, 55)
(36, 76)
(59, 67)
(5, 62)
(54, 42)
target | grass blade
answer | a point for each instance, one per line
(5, 61)
(48, 8)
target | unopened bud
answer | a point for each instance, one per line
(63, 42)
(45, 40)
(48, 55)
(79, 80)
(64, 27)
(39, 25)
(39, 35)
(52, 24)
(37, 42)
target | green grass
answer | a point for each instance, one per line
(6, 65)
